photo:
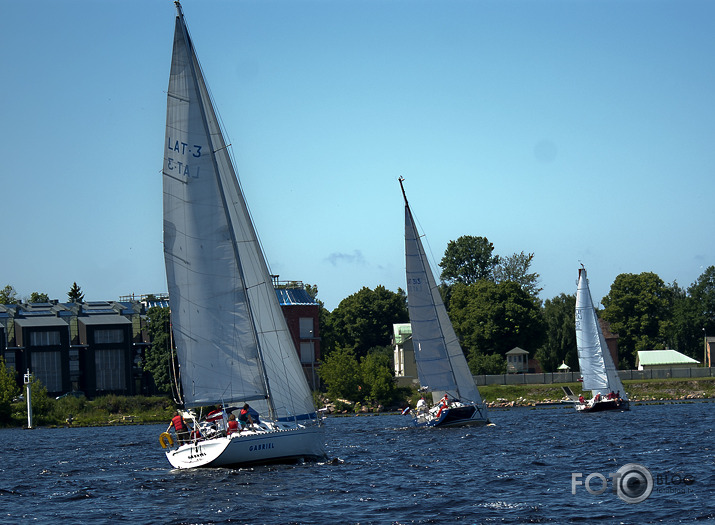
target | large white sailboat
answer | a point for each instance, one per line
(441, 366)
(598, 370)
(233, 344)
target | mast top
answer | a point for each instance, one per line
(402, 187)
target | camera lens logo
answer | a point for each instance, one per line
(633, 483)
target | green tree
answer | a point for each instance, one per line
(686, 327)
(486, 364)
(702, 292)
(638, 308)
(379, 385)
(516, 268)
(494, 318)
(467, 260)
(75, 294)
(37, 297)
(699, 320)
(8, 391)
(560, 335)
(157, 358)
(342, 375)
(8, 295)
(364, 320)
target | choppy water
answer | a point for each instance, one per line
(519, 471)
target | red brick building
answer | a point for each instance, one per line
(302, 313)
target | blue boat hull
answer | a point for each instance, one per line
(468, 415)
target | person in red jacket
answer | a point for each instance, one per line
(180, 427)
(233, 425)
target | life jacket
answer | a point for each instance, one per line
(232, 426)
(178, 423)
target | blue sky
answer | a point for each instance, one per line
(580, 131)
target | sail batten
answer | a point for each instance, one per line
(232, 340)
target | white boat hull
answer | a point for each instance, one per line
(289, 443)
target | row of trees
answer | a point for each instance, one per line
(494, 306)
(8, 295)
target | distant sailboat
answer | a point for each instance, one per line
(599, 373)
(233, 344)
(441, 365)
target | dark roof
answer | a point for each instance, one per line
(103, 319)
(40, 321)
(294, 296)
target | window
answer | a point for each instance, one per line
(10, 360)
(109, 367)
(45, 366)
(115, 335)
(307, 353)
(51, 338)
(306, 327)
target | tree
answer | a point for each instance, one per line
(560, 334)
(157, 359)
(8, 295)
(75, 294)
(486, 364)
(364, 320)
(8, 391)
(494, 318)
(638, 307)
(686, 327)
(341, 375)
(377, 376)
(37, 297)
(702, 291)
(467, 260)
(693, 315)
(515, 268)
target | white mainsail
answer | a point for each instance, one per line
(597, 368)
(441, 365)
(232, 340)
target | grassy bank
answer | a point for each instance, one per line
(102, 411)
(638, 390)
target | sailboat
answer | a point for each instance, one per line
(441, 366)
(232, 340)
(597, 368)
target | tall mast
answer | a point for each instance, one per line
(234, 242)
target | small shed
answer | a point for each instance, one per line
(517, 361)
(649, 359)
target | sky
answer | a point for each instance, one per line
(582, 132)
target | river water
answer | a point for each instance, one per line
(525, 469)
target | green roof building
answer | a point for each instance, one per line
(649, 359)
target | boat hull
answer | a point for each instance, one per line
(607, 404)
(469, 415)
(252, 448)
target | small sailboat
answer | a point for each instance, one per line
(233, 344)
(441, 366)
(598, 371)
